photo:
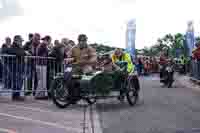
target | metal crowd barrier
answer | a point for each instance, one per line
(195, 70)
(29, 74)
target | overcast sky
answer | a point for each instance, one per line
(156, 18)
(102, 20)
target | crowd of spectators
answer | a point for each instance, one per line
(147, 65)
(33, 60)
(38, 49)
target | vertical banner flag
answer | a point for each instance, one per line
(190, 38)
(130, 37)
(1, 4)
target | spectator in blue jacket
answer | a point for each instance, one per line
(16, 66)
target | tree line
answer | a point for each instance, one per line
(173, 45)
(101, 49)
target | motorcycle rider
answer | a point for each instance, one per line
(84, 57)
(119, 55)
(163, 63)
(169, 72)
(183, 64)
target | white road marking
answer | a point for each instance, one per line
(33, 109)
(42, 122)
(95, 116)
(96, 120)
(97, 123)
(29, 108)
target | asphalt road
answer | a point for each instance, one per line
(161, 110)
(34, 116)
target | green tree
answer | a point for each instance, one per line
(178, 43)
(167, 44)
(170, 43)
(197, 41)
(145, 51)
(100, 48)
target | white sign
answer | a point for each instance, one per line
(131, 24)
(190, 27)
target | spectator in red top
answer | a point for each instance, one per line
(42, 49)
(163, 62)
(163, 59)
(41, 68)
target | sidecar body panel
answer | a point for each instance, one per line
(101, 83)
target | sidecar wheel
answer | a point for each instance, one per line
(132, 94)
(60, 94)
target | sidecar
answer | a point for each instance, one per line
(93, 86)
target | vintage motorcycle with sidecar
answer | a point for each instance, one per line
(93, 86)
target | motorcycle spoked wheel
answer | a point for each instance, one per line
(132, 94)
(60, 94)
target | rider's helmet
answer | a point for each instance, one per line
(82, 37)
(118, 52)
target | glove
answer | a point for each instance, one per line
(27, 53)
(118, 68)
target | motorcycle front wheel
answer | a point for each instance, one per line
(60, 93)
(132, 94)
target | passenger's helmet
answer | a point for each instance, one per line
(82, 37)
